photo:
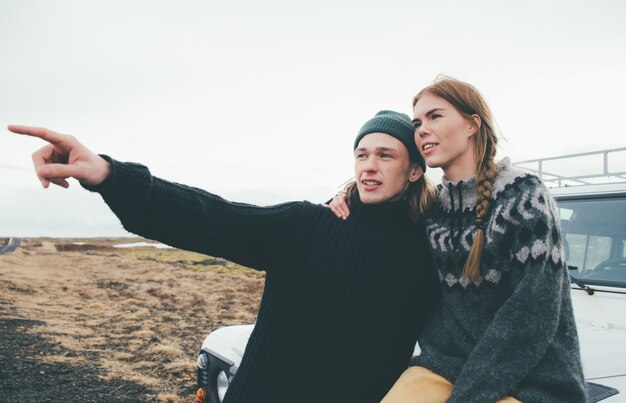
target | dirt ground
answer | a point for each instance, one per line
(83, 321)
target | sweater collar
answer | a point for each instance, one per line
(388, 217)
(461, 195)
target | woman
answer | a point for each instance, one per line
(505, 326)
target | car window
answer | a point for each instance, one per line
(587, 251)
(594, 239)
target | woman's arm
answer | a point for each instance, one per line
(339, 205)
(524, 327)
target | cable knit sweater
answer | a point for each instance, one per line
(343, 300)
(512, 333)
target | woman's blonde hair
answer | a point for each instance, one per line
(468, 101)
(420, 195)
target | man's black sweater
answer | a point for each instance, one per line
(343, 303)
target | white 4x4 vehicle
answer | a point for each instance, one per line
(593, 221)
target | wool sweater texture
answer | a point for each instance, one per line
(343, 302)
(511, 333)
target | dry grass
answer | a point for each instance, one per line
(143, 313)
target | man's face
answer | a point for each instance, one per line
(383, 169)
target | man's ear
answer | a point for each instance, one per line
(416, 173)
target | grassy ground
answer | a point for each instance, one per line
(135, 315)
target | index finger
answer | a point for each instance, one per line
(44, 134)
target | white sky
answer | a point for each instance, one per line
(259, 101)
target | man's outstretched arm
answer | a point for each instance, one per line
(178, 215)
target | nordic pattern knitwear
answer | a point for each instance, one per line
(343, 303)
(511, 332)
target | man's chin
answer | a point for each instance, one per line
(369, 199)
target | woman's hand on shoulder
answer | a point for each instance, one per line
(339, 205)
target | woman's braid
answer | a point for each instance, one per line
(484, 189)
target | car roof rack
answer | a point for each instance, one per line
(578, 169)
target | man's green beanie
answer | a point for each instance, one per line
(397, 125)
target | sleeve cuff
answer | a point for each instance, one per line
(125, 191)
(108, 182)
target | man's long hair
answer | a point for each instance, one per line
(420, 195)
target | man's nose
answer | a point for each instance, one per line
(371, 165)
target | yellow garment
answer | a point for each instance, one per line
(421, 385)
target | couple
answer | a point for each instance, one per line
(346, 299)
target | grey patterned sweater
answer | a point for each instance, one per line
(512, 333)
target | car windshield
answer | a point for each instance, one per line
(595, 239)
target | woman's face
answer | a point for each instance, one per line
(445, 137)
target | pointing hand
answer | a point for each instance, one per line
(64, 157)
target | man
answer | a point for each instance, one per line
(344, 300)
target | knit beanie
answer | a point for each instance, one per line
(397, 125)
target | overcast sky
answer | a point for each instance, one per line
(259, 101)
